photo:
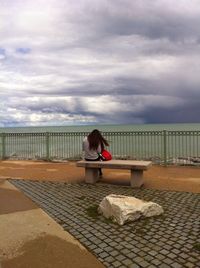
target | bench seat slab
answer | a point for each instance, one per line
(136, 169)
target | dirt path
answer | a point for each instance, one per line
(157, 177)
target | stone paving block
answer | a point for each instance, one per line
(141, 253)
(168, 261)
(113, 244)
(108, 240)
(98, 250)
(119, 247)
(144, 264)
(108, 249)
(114, 253)
(109, 259)
(92, 246)
(148, 258)
(118, 240)
(125, 251)
(176, 265)
(103, 255)
(87, 243)
(191, 265)
(160, 257)
(120, 257)
(164, 252)
(176, 251)
(116, 264)
(127, 262)
(134, 265)
(156, 262)
(138, 259)
(163, 265)
(167, 247)
(129, 246)
(184, 256)
(191, 259)
(153, 253)
(131, 255)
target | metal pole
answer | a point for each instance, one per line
(47, 147)
(3, 146)
(165, 146)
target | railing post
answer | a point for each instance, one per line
(47, 147)
(3, 138)
(165, 147)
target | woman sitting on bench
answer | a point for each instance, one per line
(93, 145)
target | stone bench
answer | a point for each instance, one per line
(136, 168)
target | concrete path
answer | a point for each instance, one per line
(30, 238)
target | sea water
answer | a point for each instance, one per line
(104, 128)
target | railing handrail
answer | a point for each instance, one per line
(106, 132)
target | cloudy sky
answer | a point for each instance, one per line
(101, 61)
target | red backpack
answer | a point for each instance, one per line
(106, 155)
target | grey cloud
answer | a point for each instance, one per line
(154, 20)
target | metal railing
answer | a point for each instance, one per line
(162, 147)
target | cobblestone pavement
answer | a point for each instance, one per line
(169, 240)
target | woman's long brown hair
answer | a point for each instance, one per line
(95, 138)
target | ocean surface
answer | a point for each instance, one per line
(106, 128)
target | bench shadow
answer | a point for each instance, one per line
(115, 181)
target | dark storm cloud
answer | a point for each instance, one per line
(154, 25)
(150, 19)
(175, 114)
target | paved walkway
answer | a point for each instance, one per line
(166, 241)
(29, 238)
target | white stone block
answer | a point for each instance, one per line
(123, 209)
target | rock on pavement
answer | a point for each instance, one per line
(122, 209)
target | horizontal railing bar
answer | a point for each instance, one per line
(107, 133)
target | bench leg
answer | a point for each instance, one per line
(91, 175)
(137, 178)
